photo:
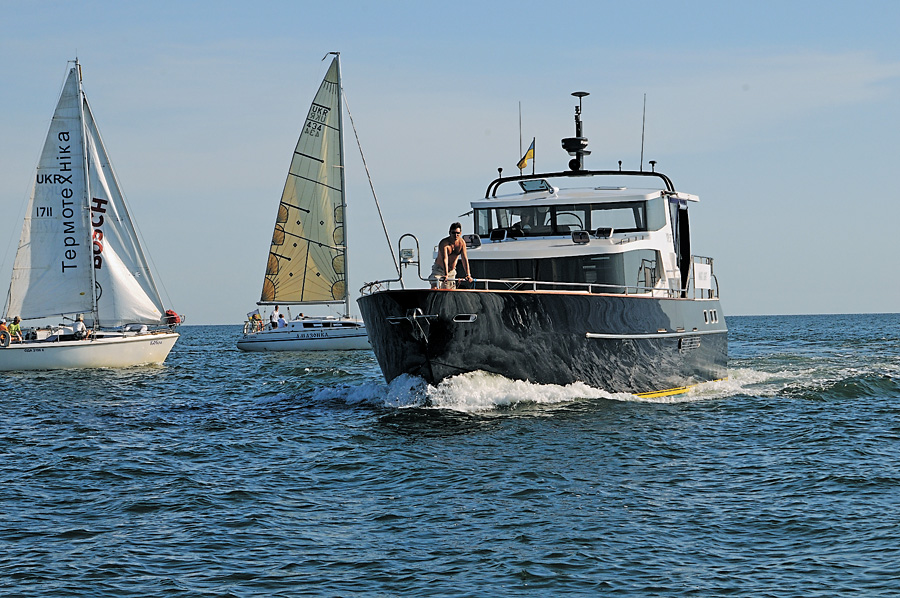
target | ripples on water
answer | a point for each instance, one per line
(227, 474)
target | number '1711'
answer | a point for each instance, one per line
(44, 211)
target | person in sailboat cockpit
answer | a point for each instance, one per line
(15, 330)
(450, 250)
(79, 330)
(273, 318)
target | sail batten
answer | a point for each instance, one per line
(315, 182)
(308, 240)
(301, 208)
(311, 211)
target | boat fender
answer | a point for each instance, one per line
(5, 339)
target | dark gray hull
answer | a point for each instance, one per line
(634, 344)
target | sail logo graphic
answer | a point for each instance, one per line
(64, 157)
(97, 207)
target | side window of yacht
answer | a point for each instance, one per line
(483, 222)
(656, 213)
(503, 269)
(635, 271)
(604, 270)
(628, 216)
(673, 214)
(642, 269)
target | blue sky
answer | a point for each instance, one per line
(784, 117)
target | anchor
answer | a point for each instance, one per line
(419, 323)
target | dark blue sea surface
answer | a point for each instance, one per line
(223, 473)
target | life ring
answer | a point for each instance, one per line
(5, 339)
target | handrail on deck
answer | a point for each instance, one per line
(521, 284)
(495, 184)
(414, 259)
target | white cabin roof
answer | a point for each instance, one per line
(580, 195)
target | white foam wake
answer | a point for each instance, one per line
(480, 392)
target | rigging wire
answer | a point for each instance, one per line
(387, 236)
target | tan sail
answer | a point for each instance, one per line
(307, 257)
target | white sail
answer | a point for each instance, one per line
(124, 286)
(52, 271)
(307, 258)
(79, 252)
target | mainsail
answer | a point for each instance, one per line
(52, 271)
(307, 258)
(79, 252)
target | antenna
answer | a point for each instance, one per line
(643, 124)
(520, 128)
(577, 146)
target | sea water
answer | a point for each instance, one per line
(224, 473)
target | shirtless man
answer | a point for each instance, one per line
(450, 249)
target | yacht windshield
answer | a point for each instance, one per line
(536, 221)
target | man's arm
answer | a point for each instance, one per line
(445, 250)
(464, 257)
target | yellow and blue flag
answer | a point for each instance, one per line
(529, 155)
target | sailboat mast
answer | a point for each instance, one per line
(86, 199)
(340, 107)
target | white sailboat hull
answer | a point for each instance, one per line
(102, 352)
(308, 335)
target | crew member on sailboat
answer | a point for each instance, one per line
(15, 330)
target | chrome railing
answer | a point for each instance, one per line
(254, 326)
(522, 284)
(710, 293)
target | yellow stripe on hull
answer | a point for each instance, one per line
(671, 391)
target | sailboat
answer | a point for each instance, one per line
(79, 259)
(307, 263)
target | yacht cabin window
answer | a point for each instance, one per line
(635, 271)
(536, 221)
